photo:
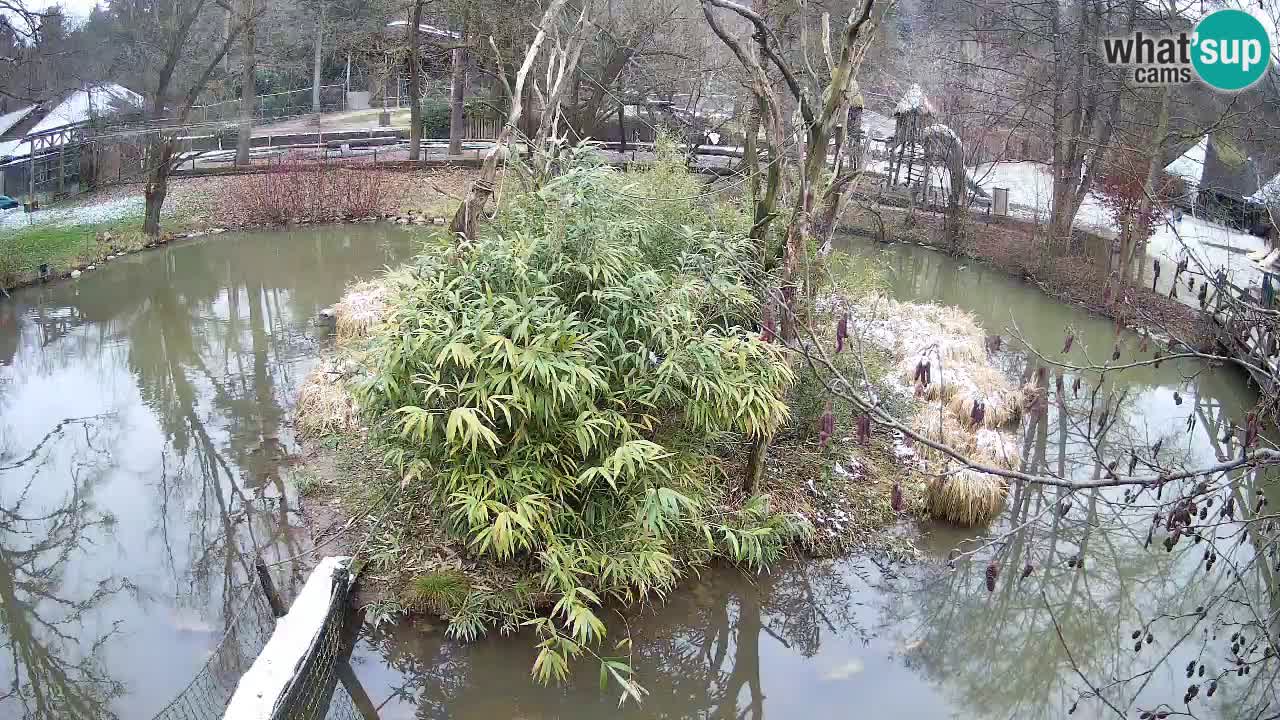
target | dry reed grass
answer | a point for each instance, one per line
(325, 403)
(360, 309)
(960, 376)
(965, 497)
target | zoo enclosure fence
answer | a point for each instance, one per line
(322, 685)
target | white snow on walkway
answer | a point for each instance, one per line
(263, 685)
(1209, 247)
(1030, 186)
(77, 215)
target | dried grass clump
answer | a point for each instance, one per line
(992, 447)
(1002, 402)
(960, 376)
(325, 403)
(942, 427)
(965, 497)
(360, 309)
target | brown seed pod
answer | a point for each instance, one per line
(993, 572)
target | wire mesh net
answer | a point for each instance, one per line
(247, 633)
(323, 685)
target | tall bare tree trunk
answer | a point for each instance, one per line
(315, 76)
(415, 82)
(467, 218)
(159, 159)
(248, 86)
(457, 89)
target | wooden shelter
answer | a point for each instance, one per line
(908, 159)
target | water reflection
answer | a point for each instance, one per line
(123, 530)
(721, 648)
(841, 638)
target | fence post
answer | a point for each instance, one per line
(269, 587)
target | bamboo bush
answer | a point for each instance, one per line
(556, 389)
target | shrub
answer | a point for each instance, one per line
(296, 189)
(435, 119)
(1123, 187)
(556, 391)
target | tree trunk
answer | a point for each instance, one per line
(467, 217)
(415, 82)
(248, 88)
(457, 88)
(1155, 150)
(315, 76)
(159, 160)
(622, 121)
(755, 465)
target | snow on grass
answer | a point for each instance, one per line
(1209, 247)
(89, 214)
(1030, 186)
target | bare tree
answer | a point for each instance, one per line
(179, 48)
(563, 60)
(248, 15)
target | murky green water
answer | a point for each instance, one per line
(846, 639)
(143, 432)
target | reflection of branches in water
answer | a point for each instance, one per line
(54, 672)
(177, 341)
(55, 432)
(1094, 578)
(703, 646)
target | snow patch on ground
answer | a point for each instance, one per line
(878, 126)
(1030, 186)
(1209, 247)
(77, 215)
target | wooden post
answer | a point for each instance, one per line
(269, 588)
(31, 173)
(359, 697)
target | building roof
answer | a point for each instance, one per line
(10, 119)
(914, 101)
(1190, 165)
(426, 29)
(77, 107)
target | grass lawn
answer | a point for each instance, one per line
(63, 247)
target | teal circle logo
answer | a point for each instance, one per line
(1231, 50)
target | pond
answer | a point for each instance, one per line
(854, 638)
(143, 434)
(144, 442)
